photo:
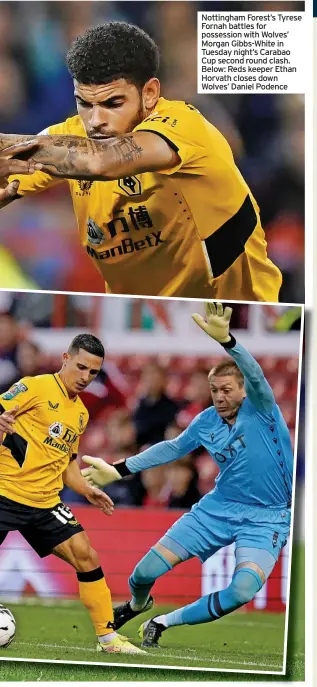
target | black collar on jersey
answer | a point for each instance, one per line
(61, 388)
(65, 394)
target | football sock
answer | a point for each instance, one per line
(95, 595)
(107, 638)
(244, 585)
(161, 619)
(150, 567)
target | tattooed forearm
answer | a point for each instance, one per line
(125, 149)
(66, 156)
(7, 140)
(84, 158)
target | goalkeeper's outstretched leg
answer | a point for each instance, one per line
(158, 561)
(246, 582)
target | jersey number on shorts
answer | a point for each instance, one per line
(63, 514)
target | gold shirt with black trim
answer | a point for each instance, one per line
(47, 431)
(191, 231)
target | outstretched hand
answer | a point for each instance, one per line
(64, 156)
(7, 422)
(10, 165)
(101, 500)
(99, 473)
(216, 322)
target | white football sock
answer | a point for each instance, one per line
(160, 619)
(107, 638)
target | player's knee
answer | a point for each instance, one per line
(150, 567)
(245, 584)
(85, 558)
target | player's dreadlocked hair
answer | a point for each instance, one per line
(112, 51)
(227, 367)
(89, 343)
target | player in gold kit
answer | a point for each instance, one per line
(41, 422)
(162, 208)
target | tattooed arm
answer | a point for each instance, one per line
(75, 157)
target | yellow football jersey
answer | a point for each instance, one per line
(159, 233)
(47, 430)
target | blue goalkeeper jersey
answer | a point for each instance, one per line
(254, 454)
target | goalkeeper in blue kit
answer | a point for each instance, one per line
(250, 505)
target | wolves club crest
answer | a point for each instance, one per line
(85, 185)
(130, 185)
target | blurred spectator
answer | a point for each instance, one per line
(121, 435)
(197, 394)
(155, 409)
(172, 431)
(113, 441)
(182, 479)
(105, 393)
(156, 487)
(29, 359)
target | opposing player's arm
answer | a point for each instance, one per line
(76, 157)
(18, 176)
(72, 478)
(101, 473)
(216, 324)
(7, 422)
(24, 146)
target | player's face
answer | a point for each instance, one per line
(79, 370)
(227, 395)
(114, 108)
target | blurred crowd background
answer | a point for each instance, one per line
(139, 399)
(39, 244)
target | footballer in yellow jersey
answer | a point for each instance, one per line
(41, 421)
(162, 208)
(48, 425)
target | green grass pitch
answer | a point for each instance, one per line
(240, 641)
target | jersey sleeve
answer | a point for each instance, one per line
(182, 128)
(23, 394)
(167, 451)
(39, 181)
(257, 387)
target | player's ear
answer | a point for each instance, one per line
(150, 93)
(66, 357)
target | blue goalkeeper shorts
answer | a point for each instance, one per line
(215, 522)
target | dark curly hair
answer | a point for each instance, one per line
(112, 51)
(89, 343)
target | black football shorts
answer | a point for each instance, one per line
(43, 528)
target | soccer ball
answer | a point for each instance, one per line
(7, 627)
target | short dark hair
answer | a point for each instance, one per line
(227, 367)
(89, 343)
(112, 51)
